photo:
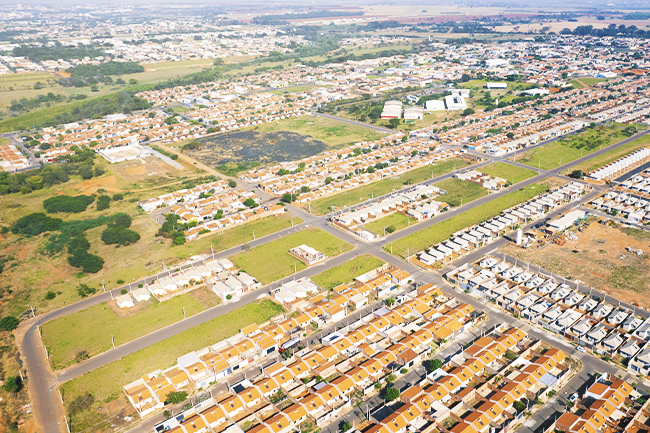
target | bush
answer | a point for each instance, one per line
(81, 403)
(180, 240)
(120, 281)
(520, 406)
(103, 202)
(84, 290)
(391, 394)
(232, 184)
(9, 323)
(391, 378)
(78, 243)
(119, 235)
(89, 263)
(50, 295)
(118, 197)
(124, 291)
(432, 365)
(404, 370)
(34, 224)
(176, 397)
(67, 204)
(13, 384)
(123, 220)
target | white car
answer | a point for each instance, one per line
(581, 349)
(573, 397)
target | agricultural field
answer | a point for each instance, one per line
(89, 331)
(347, 271)
(105, 383)
(272, 261)
(511, 173)
(567, 149)
(442, 230)
(599, 258)
(460, 192)
(611, 156)
(385, 186)
(30, 272)
(390, 224)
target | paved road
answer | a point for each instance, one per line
(33, 161)
(47, 406)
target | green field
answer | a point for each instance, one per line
(392, 223)
(105, 383)
(567, 149)
(581, 83)
(480, 85)
(460, 191)
(511, 173)
(439, 232)
(611, 156)
(272, 261)
(332, 132)
(385, 186)
(347, 272)
(90, 330)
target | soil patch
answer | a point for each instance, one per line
(254, 146)
(600, 259)
(90, 186)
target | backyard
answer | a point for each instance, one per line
(346, 272)
(567, 149)
(436, 233)
(272, 261)
(460, 191)
(385, 186)
(105, 383)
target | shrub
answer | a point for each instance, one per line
(9, 323)
(176, 397)
(119, 235)
(84, 290)
(232, 184)
(520, 406)
(432, 364)
(81, 355)
(180, 240)
(124, 291)
(404, 370)
(13, 384)
(78, 243)
(120, 281)
(391, 394)
(34, 224)
(89, 263)
(391, 378)
(122, 219)
(103, 202)
(140, 285)
(81, 403)
(229, 297)
(67, 204)
(118, 197)
(345, 426)
(50, 295)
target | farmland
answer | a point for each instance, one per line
(442, 230)
(272, 261)
(346, 272)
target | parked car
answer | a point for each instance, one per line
(573, 397)
(581, 349)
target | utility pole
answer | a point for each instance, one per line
(113, 341)
(183, 312)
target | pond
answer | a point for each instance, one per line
(246, 149)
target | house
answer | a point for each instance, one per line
(307, 254)
(124, 301)
(141, 294)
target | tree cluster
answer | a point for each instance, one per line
(67, 204)
(119, 233)
(172, 229)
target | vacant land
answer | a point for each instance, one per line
(581, 83)
(573, 147)
(385, 186)
(611, 156)
(389, 224)
(600, 260)
(347, 272)
(106, 383)
(4, 140)
(333, 133)
(510, 173)
(460, 191)
(442, 230)
(90, 330)
(272, 261)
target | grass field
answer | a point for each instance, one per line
(272, 261)
(392, 223)
(511, 173)
(4, 140)
(105, 383)
(90, 330)
(441, 231)
(31, 273)
(332, 132)
(611, 156)
(460, 191)
(385, 186)
(581, 83)
(573, 147)
(347, 272)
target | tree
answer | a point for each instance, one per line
(394, 123)
(520, 406)
(391, 394)
(389, 302)
(9, 323)
(13, 384)
(345, 426)
(180, 240)
(232, 184)
(510, 135)
(432, 365)
(84, 290)
(577, 174)
(176, 397)
(391, 378)
(468, 111)
(250, 202)
(81, 403)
